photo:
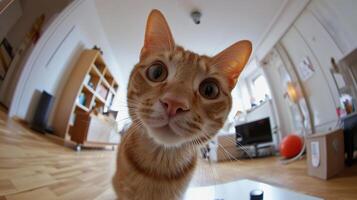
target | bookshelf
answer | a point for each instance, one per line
(90, 86)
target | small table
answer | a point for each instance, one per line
(241, 190)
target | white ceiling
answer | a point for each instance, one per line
(222, 24)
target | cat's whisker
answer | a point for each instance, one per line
(245, 149)
(213, 166)
(230, 156)
(131, 100)
(126, 106)
(225, 153)
(214, 172)
(199, 171)
(134, 127)
(240, 146)
(122, 119)
(233, 141)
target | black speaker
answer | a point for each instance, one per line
(42, 112)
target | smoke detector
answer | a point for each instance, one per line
(196, 16)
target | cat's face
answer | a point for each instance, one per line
(178, 96)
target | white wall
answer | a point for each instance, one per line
(323, 29)
(240, 94)
(31, 11)
(243, 96)
(243, 90)
(277, 75)
(288, 14)
(322, 103)
(26, 13)
(338, 17)
(309, 38)
(9, 17)
(76, 28)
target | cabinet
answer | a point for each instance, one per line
(90, 86)
(91, 130)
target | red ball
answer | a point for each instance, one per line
(290, 146)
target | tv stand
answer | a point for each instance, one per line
(256, 152)
(259, 150)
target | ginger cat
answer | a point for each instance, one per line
(177, 101)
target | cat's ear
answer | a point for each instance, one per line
(232, 60)
(158, 36)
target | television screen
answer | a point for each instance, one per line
(254, 132)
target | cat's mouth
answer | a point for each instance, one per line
(165, 129)
(166, 135)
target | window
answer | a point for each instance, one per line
(260, 89)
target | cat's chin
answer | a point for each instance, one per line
(166, 136)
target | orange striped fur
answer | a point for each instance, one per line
(155, 162)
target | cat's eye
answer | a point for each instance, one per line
(209, 88)
(157, 72)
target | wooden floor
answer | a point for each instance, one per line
(33, 166)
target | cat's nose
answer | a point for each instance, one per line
(174, 105)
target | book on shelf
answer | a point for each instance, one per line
(103, 91)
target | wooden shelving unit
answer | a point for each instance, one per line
(91, 85)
